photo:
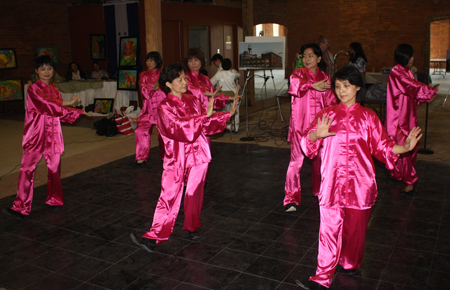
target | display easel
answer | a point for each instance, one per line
(247, 78)
(266, 78)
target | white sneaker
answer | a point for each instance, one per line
(291, 208)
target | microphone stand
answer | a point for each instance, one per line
(425, 150)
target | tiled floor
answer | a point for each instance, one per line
(247, 241)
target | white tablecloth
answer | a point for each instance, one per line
(108, 91)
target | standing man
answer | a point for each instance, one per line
(217, 60)
(324, 43)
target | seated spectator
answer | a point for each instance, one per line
(97, 72)
(74, 72)
(228, 79)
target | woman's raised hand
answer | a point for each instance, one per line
(210, 111)
(413, 138)
(322, 85)
(323, 126)
(236, 95)
(235, 106)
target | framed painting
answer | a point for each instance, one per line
(98, 47)
(127, 79)
(50, 50)
(8, 58)
(128, 51)
(11, 90)
(103, 106)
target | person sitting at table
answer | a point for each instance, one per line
(97, 72)
(74, 72)
(357, 58)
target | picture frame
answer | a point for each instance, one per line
(11, 90)
(128, 52)
(50, 50)
(103, 106)
(98, 47)
(8, 59)
(127, 79)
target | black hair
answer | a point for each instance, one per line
(70, 66)
(352, 75)
(156, 58)
(168, 74)
(42, 60)
(194, 53)
(216, 57)
(226, 64)
(403, 54)
(317, 51)
(359, 52)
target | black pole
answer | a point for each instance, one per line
(425, 150)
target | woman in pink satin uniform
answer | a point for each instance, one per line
(42, 136)
(310, 92)
(404, 94)
(183, 123)
(349, 134)
(151, 96)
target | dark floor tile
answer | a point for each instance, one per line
(217, 237)
(307, 224)
(88, 286)
(421, 228)
(112, 252)
(382, 236)
(58, 237)
(250, 244)
(55, 282)
(8, 264)
(387, 223)
(301, 238)
(26, 250)
(233, 260)
(199, 252)
(441, 263)
(249, 214)
(438, 280)
(345, 282)
(417, 242)
(150, 282)
(284, 220)
(270, 268)
(55, 259)
(444, 232)
(286, 252)
(392, 286)
(392, 211)
(406, 275)
(419, 259)
(211, 277)
(234, 225)
(250, 282)
(84, 268)
(84, 244)
(377, 251)
(265, 231)
(17, 279)
(300, 273)
(443, 247)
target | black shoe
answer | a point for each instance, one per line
(311, 285)
(350, 272)
(193, 235)
(392, 179)
(290, 207)
(139, 165)
(13, 213)
(146, 244)
(55, 208)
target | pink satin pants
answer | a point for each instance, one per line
(341, 241)
(143, 141)
(166, 212)
(292, 188)
(404, 168)
(24, 198)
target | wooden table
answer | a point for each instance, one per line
(440, 66)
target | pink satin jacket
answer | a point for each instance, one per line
(43, 116)
(183, 125)
(305, 101)
(348, 171)
(151, 98)
(199, 84)
(404, 94)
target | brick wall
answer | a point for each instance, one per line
(439, 38)
(29, 23)
(379, 25)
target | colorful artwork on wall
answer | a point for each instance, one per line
(128, 51)
(98, 47)
(50, 50)
(8, 58)
(11, 90)
(127, 79)
(103, 106)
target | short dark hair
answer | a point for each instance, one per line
(194, 53)
(168, 74)
(217, 57)
(322, 39)
(96, 62)
(352, 75)
(70, 66)
(317, 51)
(403, 54)
(42, 60)
(156, 58)
(226, 64)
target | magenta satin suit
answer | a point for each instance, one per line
(348, 189)
(42, 136)
(183, 125)
(305, 103)
(199, 84)
(404, 94)
(148, 115)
